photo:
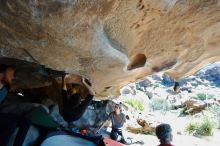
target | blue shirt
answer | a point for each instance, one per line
(117, 120)
(3, 93)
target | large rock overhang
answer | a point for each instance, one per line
(112, 42)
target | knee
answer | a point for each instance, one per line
(114, 135)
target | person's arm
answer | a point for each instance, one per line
(64, 91)
(88, 85)
(97, 131)
(3, 93)
(124, 118)
(64, 82)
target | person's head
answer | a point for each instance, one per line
(74, 89)
(164, 133)
(176, 87)
(117, 109)
(6, 74)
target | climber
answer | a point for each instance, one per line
(73, 107)
(164, 134)
(9, 122)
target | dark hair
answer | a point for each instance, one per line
(75, 85)
(176, 85)
(163, 132)
(4, 67)
(119, 106)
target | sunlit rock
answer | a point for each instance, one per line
(112, 42)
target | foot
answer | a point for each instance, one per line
(126, 142)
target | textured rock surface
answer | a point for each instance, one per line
(212, 74)
(112, 42)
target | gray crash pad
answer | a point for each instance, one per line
(66, 140)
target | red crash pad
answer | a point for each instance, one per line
(110, 142)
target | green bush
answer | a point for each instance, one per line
(184, 112)
(203, 96)
(160, 104)
(156, 86)
(136, 104)
(203, 128)
(191, 128)
(206, 128)
(215, 110)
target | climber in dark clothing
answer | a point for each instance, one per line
(73, 107)
(9, 122)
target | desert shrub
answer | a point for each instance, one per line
(203, 96)
(215, 110)
(136, 104)
(203, 128)
(184, 112)
(160, 104)
(191, 127)
(156, 86)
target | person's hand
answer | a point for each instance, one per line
(97, 131)
(86, 82)
(66, 76)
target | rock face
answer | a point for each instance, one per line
(95, 115)
(211, 74)
(195, 106)
(112, 42)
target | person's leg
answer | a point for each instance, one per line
(121, 135)
(114, 135)
(84, 104)
(7, 127)
(123, 140)
(77, 113)
(23, 124)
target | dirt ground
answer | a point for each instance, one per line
(178, 124)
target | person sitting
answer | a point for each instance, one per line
(9, 122)
(117, 119)
(73, 107)
(164, 134)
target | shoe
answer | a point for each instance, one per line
(139, 142)
(125, 142)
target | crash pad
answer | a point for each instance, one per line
(40, 117)
(66, 140)
(110, 142)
